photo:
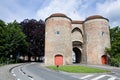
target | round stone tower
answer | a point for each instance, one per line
(58, 46)
(96, 39)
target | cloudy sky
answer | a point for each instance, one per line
(19, 10)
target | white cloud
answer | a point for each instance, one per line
(111, 10)
(16, 10)
(60, 6)
(75, 9)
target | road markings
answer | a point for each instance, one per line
(20, 70)
(87, 76)
(31, 78)
(14, 74)
(96, 78)
(112, 78)
(18, 79)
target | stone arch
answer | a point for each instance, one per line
(77, 29)
(58, 59)
(104, 59)
(77, 55)
(77, 44)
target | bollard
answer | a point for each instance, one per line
(57, 66)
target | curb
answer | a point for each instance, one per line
(14, 67)
(10, 71)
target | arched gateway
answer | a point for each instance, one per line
(68, 41)
(77, 55)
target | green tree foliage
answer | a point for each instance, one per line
(12, 41)
(115, 46)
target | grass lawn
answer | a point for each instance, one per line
(78, 69)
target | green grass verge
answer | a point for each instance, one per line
(78, 69)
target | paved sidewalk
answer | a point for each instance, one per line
(4, 72)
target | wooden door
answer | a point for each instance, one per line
(58, 60)
(104, 59)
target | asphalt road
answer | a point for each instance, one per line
(35, 71)
(115, 71)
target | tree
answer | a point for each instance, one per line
(35, 32)
(12, 40)
(115, 46)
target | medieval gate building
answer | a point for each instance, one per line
(68, 41)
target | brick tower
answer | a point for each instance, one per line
(73, 41)
(58, 46)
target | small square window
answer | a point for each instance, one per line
(58, 32)
(103, 33)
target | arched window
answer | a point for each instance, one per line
(77, 29)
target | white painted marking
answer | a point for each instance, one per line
(21, 72)
(96, 78)
(32, 63)
(87, 76)
(14, 74)
(112, 78)
(30, 78)
(18, 79)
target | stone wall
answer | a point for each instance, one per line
(58, 40)
(62, 34)
(95, 39)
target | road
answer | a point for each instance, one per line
(35, 71)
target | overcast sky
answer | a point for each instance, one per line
(19, 10)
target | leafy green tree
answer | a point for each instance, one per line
(12, 41)
(115, 46)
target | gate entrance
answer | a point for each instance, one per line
(77, 55)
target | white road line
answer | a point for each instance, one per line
(18, 79)
(32, 63)
(112, 78)
(21, 71)
(96, 78)
(30, 78)
(87, 76)
(14, 74)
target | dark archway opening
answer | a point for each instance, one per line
(77, 55)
